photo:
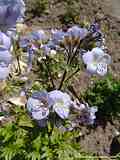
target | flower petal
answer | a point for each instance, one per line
(77, 32)
(41, 114)
(88, 57)
(106, 58)
(62, 111)
(5, 41)
(97, 51)
(4, 72)
(5, 56)
(92, 68)
(62, 103)
(102, 69)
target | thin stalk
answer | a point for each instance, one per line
(65, 72)
(18, 61)
(74, 55)
(63, 78)
(74, 73)
(72, 90)
(50, 74)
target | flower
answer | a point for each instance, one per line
(49, 48)
(24, 42)
(61, 103)
(95, 27)
(11, 11)
(38, 105)
(96, 61)
(5, 56)
(77, 32)
(57, 36)
(4, 71)
(85, 114)
(5, 41)
(38, 35)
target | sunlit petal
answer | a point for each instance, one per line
(102, 69)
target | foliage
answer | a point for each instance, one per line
(68, 16)
(24, 140)
(105, 94)
(36, 7)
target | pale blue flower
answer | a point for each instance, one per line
(38, 35)
(97, 61)
(4, 71)
(77, 32)
(95, 27)
(24, 42)
(86, 115)
(5, 56)
(5, 41)
(92, 117)
(62, 103)
(57, 36)
(47, 48)
(38, 105)
(11, 11)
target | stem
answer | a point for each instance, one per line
(72, 90)
(69, 77)
(62, 81)
(74, 55)
(19, 68)
(49, 72)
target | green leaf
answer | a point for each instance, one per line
(25, 121)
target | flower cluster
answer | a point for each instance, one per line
(31, 42)
(75, 41)
(86, 114)
(68, 39)
(11, 12)
(41, 104)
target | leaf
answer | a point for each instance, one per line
(2, 85)
(25, 121)
(18, 101)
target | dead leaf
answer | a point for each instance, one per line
(18, 101)
(2, 85)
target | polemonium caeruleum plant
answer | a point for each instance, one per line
(78, 44)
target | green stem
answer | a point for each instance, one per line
(19, 68)
(74, 73)
(72, 90)
(49, 72)
(62, 81)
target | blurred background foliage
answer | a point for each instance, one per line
(105, 93)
